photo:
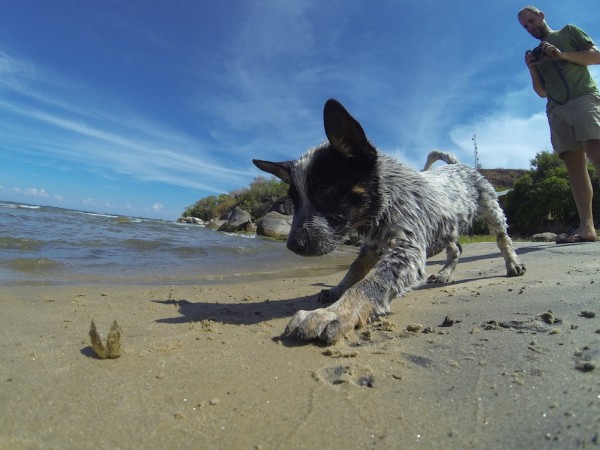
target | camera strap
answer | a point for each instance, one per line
(564, 81)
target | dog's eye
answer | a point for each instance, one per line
(327, 191)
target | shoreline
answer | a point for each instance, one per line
(288, 266)
(206, 366)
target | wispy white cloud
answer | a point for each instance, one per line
(136, 155)
(104, 141)
(266, 81)
(503, 140)
(31, 192)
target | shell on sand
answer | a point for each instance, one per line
(113, 341)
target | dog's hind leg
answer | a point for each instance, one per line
(496, 222)
(453, 251)
(514, 266)
(361, 266)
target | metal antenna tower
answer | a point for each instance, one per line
(476, 153)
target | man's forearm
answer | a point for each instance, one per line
(538, 84)
(583, 58)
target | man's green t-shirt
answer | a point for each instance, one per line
(578, 78)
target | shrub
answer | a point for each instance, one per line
(544, 194)
(256, 199)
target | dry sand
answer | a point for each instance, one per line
(206, 367)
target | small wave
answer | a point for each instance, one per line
(141, 244)
(23, 244)
(32, 265)
(189, 251)
(127, 220)
(28, 206)
(8, 205)
(85, 213)
(242, 235)
(90, 243)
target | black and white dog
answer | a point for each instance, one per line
(403, 216)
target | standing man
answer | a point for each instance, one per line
(559, 72)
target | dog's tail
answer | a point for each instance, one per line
(436, 155)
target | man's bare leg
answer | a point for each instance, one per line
(581, 186)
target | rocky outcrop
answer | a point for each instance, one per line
(238, 220)
(215, 224)
(275, 225)
(190, 219)
(544, 237)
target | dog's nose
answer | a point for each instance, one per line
(297, 241)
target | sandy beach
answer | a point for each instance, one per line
(479, 363)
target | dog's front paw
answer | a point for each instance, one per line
(438, 278)
(515, 269)
(322, 324)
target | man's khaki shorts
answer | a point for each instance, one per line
(576, 121)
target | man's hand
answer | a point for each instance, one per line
(551, 51)
(586, 57)
(530, 60)
(536, 79)
(548, 50)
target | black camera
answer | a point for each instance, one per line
(537, 53)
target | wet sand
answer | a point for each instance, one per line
(478, 363)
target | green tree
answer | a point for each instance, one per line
(544, 194)
(202, 208)
(256, 199)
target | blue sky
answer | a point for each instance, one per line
(143, 107)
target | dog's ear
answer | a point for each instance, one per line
(344, 133)
(282, 170)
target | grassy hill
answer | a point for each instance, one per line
(502, 178)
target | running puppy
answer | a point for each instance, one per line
(403, 216)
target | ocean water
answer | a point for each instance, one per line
(47, 245)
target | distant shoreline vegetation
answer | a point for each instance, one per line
(257, 199)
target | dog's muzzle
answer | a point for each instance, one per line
(307, 242)
(298, 242)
